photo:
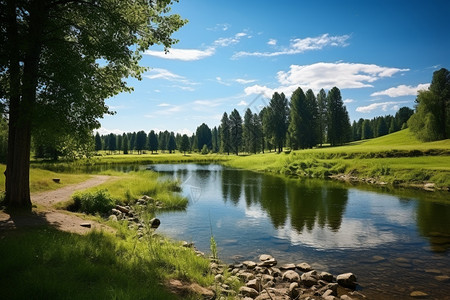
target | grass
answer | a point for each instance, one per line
(131, 186)
(43, 263)
(395, 158)
(42, 180)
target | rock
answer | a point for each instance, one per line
(87, 225)
(287, 267)
(218, 278)
(154, 223)
(269, 284)
(249, 264)
(248, 292)
(346, 297)
(329, 297)
(116, 212)
(123, 209)
(264, 257)
(293, 291)
(268, 263)
(326, 276)
(329, 293)
(304, 267)
(442, 278)
(204, 292)
(190, 245)
(418, 295)
(254, 284)
(347, 280)
(278, 294)
(310, 278)
(266, 278)
(113, 218)
(246, 276)
(291, 276)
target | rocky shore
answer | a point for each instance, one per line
(265, 280)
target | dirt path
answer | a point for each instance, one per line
(46, 214)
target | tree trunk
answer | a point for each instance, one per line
(22, 102)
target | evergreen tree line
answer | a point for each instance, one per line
(379, 126)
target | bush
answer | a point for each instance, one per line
(92, 203)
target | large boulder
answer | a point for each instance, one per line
(248, 292)
(304, 267)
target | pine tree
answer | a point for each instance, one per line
(185, 145)
(248, 131)
(235, 131)
(322, 116)
(152, 141)
(297, 123)
(98, 142)
(125, 143)
(225, 134)
(339, 128)
(278, 117)
(172, 145)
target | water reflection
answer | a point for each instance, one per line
(433, 222)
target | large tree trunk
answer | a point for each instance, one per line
(22, 102)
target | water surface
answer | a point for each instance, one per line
(395, 244)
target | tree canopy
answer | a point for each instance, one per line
(60, 60)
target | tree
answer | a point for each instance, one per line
(297, 122)
(431, 120)
(184, 146)
(49, 63)
(204, 137)
(235, 131)
(277, 119)
(402, 116)
(382, 128)
(248, 133)
(225, 134)
(172, 145)
(141, 141)
(98, 142)
(339, 128)
(258, 140)
(322, 116)
(366, 132)
(215, 140)
(112, 144)
(119, 142)
(125, 143)
(152, 141)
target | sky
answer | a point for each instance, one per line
(236, 54)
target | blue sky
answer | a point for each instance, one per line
(235, 54)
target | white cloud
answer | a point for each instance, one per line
(208, 103)
(244, 81)
(242, 103)
(184, 88)
(402, 90)
(105, 131)
(272, 42)
(183, 54)
(349, 100)
(195, 54)
(158, 73)
(325, 75)
(383, 105)
(301, 45)
(220, 27)
(164, 105)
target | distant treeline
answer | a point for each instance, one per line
(306, 121)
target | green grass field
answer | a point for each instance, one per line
(398, 157)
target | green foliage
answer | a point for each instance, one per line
(276, 118)
(152, 141)
(235, 131)
(184, 146)
(432, 118)
(92, 203)
(225, 134)
(205, 150)
(213, 247)
(204, 137)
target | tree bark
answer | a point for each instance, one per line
(22, 102)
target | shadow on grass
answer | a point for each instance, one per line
(44, 263)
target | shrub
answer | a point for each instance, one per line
(92, 203)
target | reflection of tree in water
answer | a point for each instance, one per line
(311, 201)
(231, 185)
(273, 199)
(252, 187)
(432, 220)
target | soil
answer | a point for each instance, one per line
(46, 214)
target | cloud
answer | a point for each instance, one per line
(325, 75)
(272, 42)
(349, 101)
(195, 54)
(183, 54)
(301, 45)
(219, 80)
(105, 131)
(383, 105)
(402, 90)
(158, 73)
(242, 103)
(245, 81)
(220, 27)
(164, 105)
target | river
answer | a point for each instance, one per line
(394, 242)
